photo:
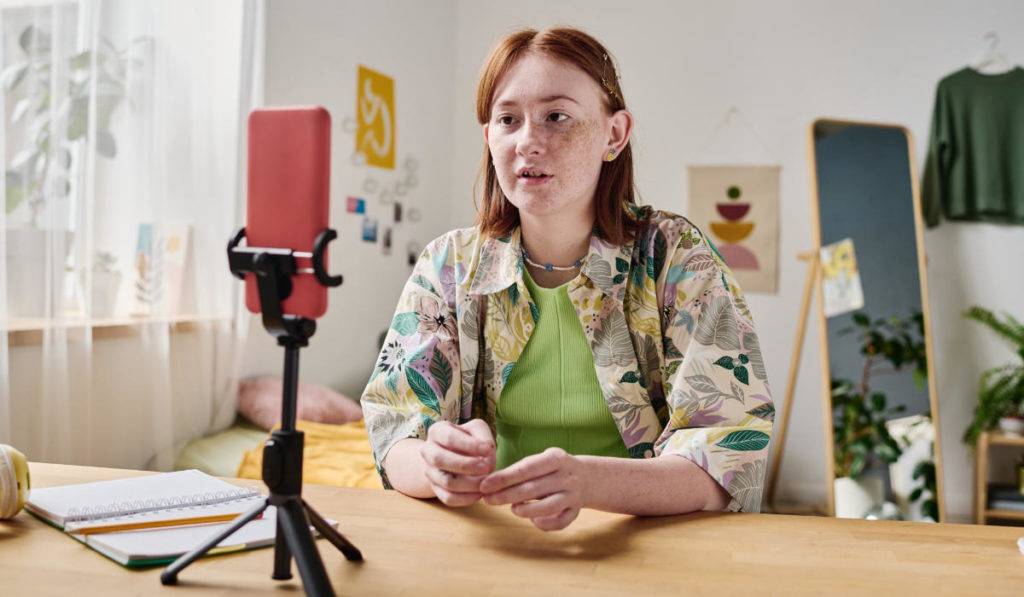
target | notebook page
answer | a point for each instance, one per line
(154, 544)
(169, 543)
(184, 514)
(57, 503)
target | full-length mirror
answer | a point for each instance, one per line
(880, 399)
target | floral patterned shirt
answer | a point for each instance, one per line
(675, 349)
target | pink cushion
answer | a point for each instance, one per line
(259, 401)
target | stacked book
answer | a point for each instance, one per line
(1005, 497)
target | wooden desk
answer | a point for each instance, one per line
(417, 547)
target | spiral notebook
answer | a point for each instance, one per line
(156, 547)
(161, 500)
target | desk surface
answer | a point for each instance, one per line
(421, 547)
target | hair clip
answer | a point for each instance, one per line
(604, 81)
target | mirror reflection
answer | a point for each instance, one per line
(879, 392)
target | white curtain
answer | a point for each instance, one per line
(124, 140)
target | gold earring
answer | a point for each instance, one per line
(610, 156)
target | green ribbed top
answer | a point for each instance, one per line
(552, 397)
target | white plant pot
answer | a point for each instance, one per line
(104, 293)
(857, 497)
(915, 435)
(26, 271)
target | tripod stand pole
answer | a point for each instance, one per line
(282, 453)
(170, 575)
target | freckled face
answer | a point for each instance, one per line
(548, 133)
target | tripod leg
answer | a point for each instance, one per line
(282, 557)
(303, 548)
(170, 575)
(351, 552)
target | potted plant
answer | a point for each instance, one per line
(860, 434)
(1001, 391)
(106, 280)
(51, 131)
(861, 438)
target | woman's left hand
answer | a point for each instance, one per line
(548, 488)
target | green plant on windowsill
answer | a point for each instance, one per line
(860, 435)
(1001, 391)
(43, 167)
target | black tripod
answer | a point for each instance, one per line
(282, 453)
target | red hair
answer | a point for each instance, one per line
(496, 216)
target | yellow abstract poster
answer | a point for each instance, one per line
(375, 115)
(737, 208)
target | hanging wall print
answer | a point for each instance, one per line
(375, 118)
(737, 208)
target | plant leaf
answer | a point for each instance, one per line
(13, 75)
(702, 384)
(14, 190)
(405, 323)
(747, 440)
(106, 146)
(422, 389)
(441, 369)
(424, 283)
(765, 411)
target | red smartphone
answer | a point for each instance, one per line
(289, 188)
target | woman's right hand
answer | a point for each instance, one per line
(457, 458)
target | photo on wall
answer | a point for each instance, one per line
(737, 209)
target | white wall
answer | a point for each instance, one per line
(683, 63)
(313, 49)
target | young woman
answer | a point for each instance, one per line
(572, 350)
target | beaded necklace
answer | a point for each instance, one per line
(551, 267)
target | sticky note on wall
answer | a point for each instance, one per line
(375, 116)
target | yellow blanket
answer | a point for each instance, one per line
(333, 455)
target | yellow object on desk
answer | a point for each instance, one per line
(14, 481)
(336, 455)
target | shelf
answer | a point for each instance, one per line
(998, 438)
(986, 440)
(1005, 514)
(21, 332)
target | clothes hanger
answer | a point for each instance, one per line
(992, 61)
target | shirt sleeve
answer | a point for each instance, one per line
(415, 381)
(934, 182)
(720, 409)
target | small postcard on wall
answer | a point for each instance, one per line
(840, 280)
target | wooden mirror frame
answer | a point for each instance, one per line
(925, 309)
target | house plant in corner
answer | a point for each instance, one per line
(48, 126)
(1001, 391)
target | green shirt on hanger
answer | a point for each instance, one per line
(974, 170)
